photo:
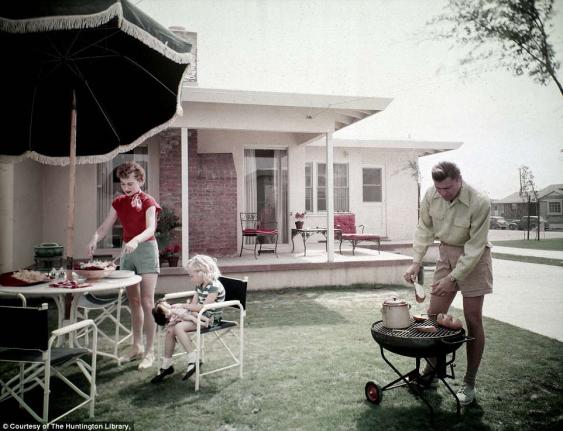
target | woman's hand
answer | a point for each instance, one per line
(412, 273)
(91, 248)
(131, 246)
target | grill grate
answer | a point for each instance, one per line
(411, 332)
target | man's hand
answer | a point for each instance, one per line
(412, 273)
(443, 287)
(131, 246)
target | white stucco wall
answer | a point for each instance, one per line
(396, 216)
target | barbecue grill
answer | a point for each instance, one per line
(419, 345)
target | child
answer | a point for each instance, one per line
(182, 318)
(137, 212)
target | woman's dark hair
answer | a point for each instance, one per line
(444, 170)
(158, 314)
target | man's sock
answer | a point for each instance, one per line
(469, 377)
(192, 357)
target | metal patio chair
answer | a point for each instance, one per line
(235, 298)
(32, 348)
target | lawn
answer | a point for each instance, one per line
(309, 353)
(542, 244)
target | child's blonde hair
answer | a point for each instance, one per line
(206, 266)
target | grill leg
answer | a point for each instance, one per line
(403, 377)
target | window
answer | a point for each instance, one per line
(341, 189)
(372, 190)
(109, 187)
(309, 187)
(554, 207)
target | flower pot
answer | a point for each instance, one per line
(299, 224)
(162, 260)
(173, 261)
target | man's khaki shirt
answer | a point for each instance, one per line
(464, 222)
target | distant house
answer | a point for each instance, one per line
(514, 206)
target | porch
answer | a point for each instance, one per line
(293, 269)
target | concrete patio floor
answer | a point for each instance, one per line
(293, 269)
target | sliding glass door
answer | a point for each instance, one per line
(265, 188)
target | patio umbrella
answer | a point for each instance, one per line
(84, 80)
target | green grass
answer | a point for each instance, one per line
(542, 244)
(309, 353)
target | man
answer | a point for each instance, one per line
(458, 216)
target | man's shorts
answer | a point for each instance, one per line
(478, 282)
(144, 260)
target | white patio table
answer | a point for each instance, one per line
(58, 294)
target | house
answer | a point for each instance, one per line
(232, 137)
(232, 151)
(550, 198)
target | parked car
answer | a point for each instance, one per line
(496, 222)
(523, 223)
(513, 224)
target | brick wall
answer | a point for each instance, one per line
(212, 194)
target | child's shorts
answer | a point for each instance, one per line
(144, 260)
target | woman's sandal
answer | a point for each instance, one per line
(132, 356)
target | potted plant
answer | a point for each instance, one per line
(167, 222)
(172, 254)
(299, 219)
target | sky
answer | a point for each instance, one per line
(384, 48)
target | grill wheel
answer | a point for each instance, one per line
(373, 393)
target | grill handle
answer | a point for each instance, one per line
(464, 340)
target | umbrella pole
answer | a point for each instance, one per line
(71, 190)
(71, 200)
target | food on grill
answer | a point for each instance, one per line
(28, 276)
(449, 322)
(97, 265)
(419, 293)
(418, 318)
(426, 328)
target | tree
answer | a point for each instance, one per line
(514, 31)
(529, 194)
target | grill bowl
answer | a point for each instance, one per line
(409, 342)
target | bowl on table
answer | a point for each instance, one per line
(94, 274)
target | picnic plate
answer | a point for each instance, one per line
(120, 273)
(6, 279)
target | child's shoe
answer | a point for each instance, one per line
(190, 371)
(162, 374)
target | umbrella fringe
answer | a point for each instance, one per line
(61, 22)
(72, 22)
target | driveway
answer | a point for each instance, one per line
(527, 295)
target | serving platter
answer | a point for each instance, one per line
(6, 279)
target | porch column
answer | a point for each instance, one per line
(329, 198)
(6, 217)
(185, 195)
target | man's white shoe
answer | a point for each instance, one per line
(147, 361)
(466, 395)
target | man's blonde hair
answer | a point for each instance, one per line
(206, 266)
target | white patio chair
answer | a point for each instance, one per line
(32, 347)
(235, 297)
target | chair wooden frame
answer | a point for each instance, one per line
(32, 347)
(235, 297)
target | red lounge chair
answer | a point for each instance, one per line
(345, 230)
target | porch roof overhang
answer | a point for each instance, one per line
(420, 148)
(308, 114)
